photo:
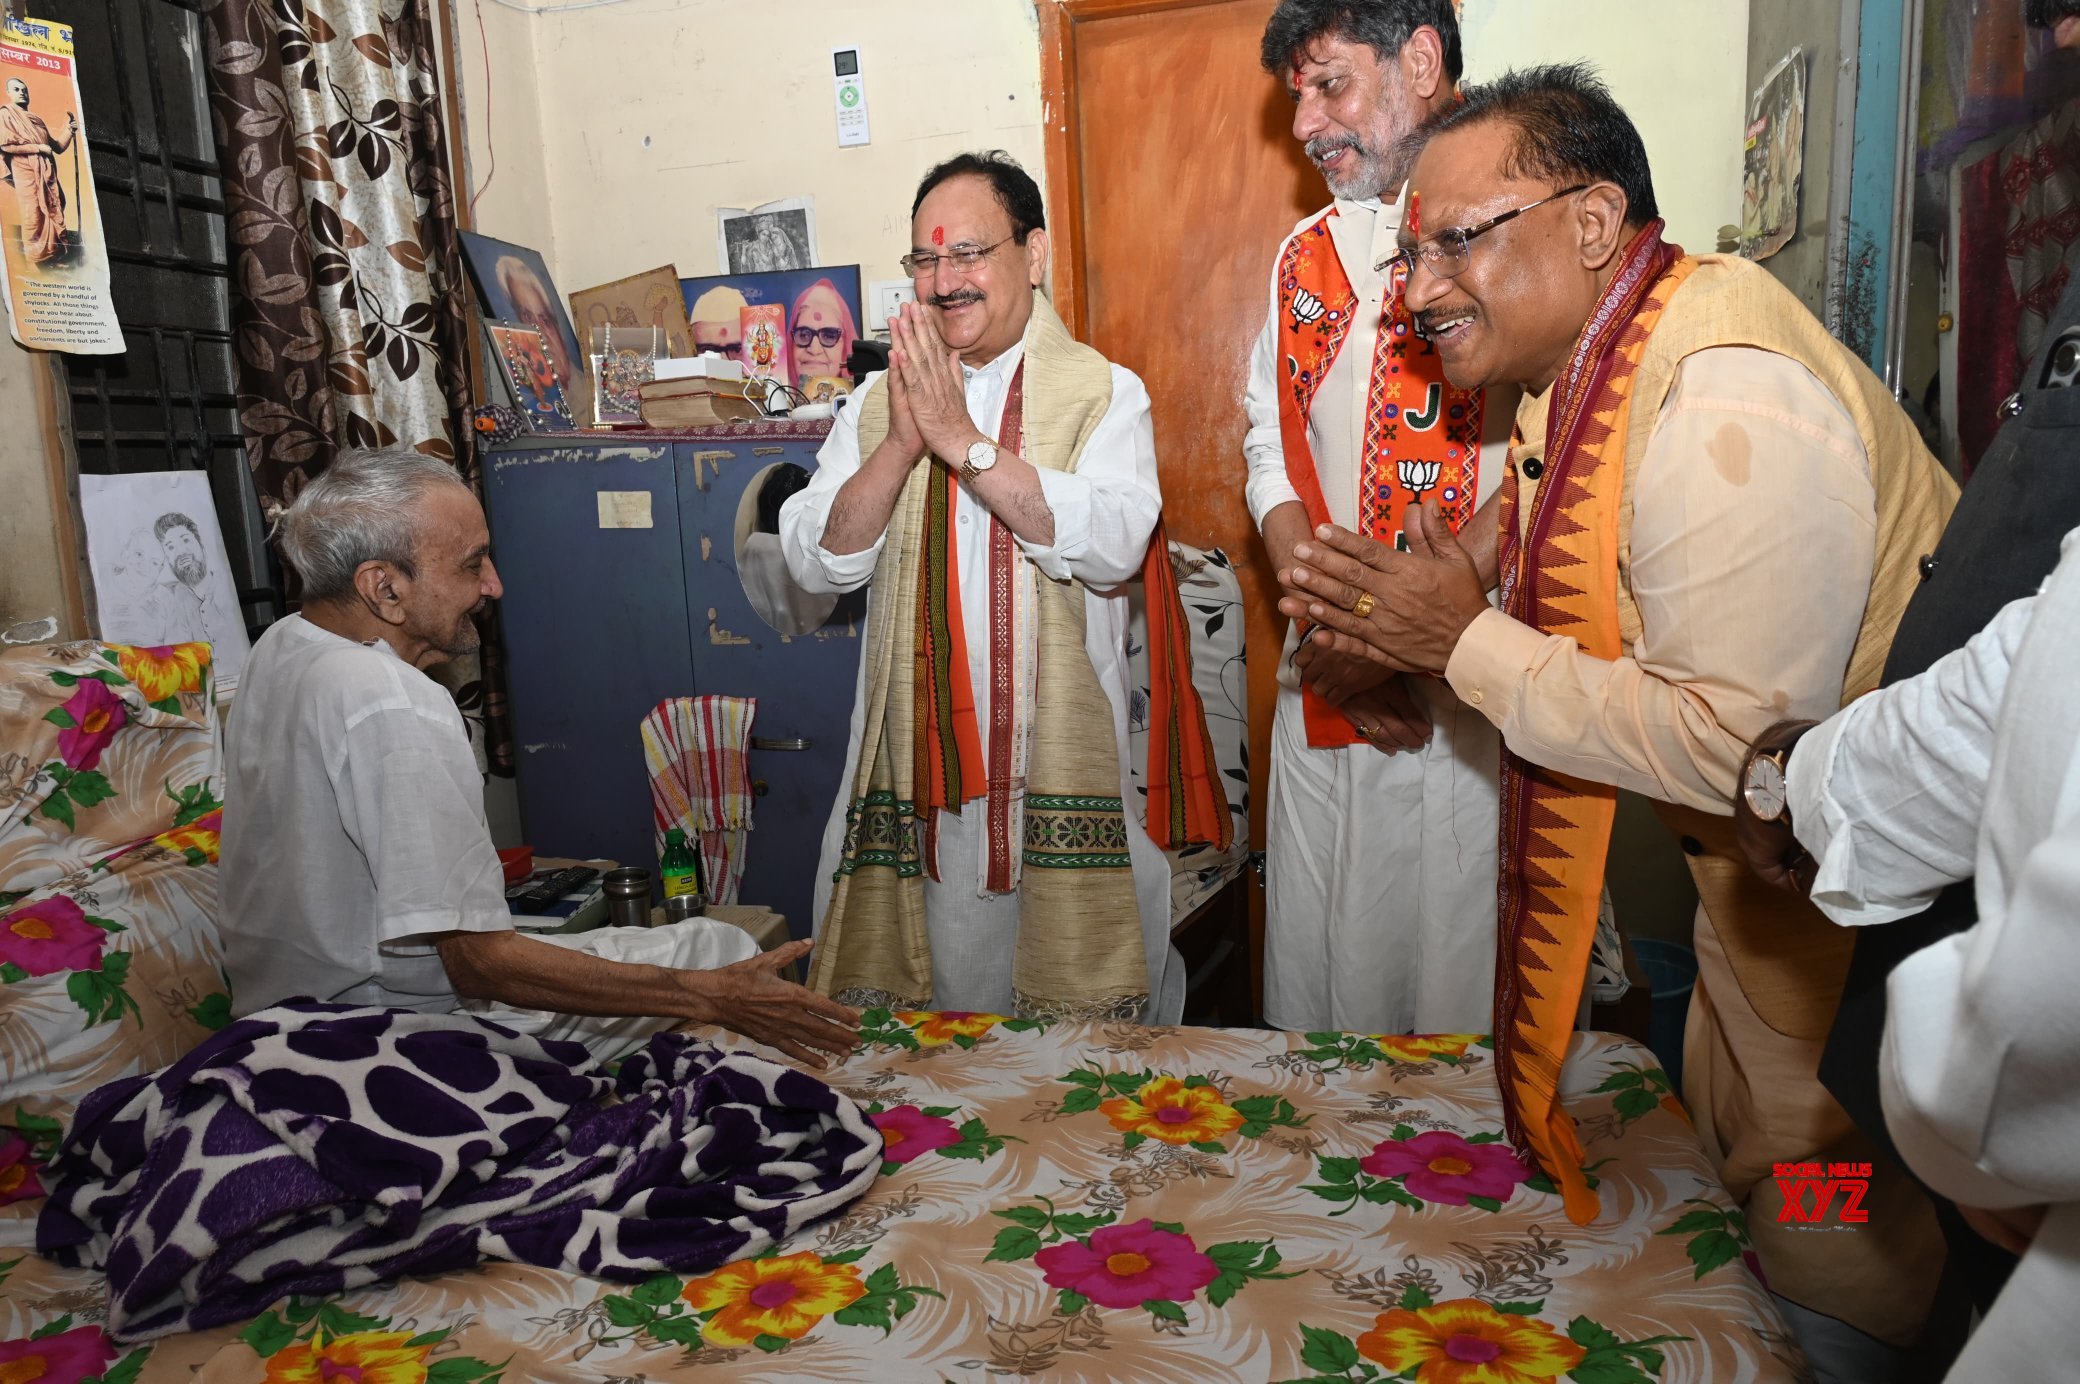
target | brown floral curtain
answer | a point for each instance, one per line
(349, 317)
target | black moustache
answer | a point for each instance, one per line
(955, 300)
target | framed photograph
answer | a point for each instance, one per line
(771, 236)
(513, 285)
(161, 575)
(530, 370)
(765, 343)
(649, 299)
(624, 359)
(822, 314)
(1775, 158)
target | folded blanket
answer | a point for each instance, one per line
(313, 1148)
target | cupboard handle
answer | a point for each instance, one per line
(767, 742)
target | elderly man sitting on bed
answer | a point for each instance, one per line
(357, 866)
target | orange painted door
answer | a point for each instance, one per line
(1172, 177)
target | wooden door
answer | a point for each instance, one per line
(1172, 176)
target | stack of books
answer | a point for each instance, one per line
(696, 403)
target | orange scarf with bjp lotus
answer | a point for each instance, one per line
(1560, 576)
(1421, 433)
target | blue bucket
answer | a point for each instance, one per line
(1671, 970)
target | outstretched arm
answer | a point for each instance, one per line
(749, 997)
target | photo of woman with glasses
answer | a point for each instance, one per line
(823, 331)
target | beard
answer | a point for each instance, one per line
(190, 570)
(458, 640)
(1370, 174)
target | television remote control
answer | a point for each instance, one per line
(543, 892)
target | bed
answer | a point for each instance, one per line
(1059, 1201)
(1323, 1206)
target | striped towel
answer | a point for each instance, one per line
(697, 749)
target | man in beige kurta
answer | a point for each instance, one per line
(29, 152)
(1772, 503)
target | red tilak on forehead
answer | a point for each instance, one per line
(1415, 214)
(938, 235)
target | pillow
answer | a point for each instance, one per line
(101, 746)
(110, 964)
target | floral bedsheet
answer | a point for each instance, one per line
(1081, 1202)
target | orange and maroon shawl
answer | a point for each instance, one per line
(1560, 576)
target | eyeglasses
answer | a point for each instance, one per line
(1446, 253)
(806, 337)
(964, 258)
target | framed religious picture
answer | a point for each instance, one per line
(824, 389)
(623, 360)
(765, 342)
(822, 305)
(530, 371)
(649, 299)
(513, 285)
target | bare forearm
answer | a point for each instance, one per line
(1284, 526)
(1482, 538)
(860, 510)
(1011, 490)
(524, 973)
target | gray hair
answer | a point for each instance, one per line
(363, 508)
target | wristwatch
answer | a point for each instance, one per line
(1764, 801)
(981, 456)
(1765, 790)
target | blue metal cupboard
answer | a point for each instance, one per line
(619, 554)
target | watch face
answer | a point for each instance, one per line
(982, 456)
(1765, 789)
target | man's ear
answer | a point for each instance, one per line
(1422, 63)
(1600, 221)
(382, 588)
(1037, 248)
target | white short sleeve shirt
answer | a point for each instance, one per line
(354, 827)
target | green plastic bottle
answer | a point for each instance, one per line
(679, 867)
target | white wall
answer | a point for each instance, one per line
(502, 119)
(656, 112)
(620, 129)
(1679, 67)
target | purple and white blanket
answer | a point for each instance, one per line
(312, 1148)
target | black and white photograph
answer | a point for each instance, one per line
(773, 236)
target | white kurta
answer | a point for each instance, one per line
(1380, 869)
(1973, 769)
(1104, 513)
(354, 837)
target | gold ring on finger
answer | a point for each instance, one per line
(1362, 607)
